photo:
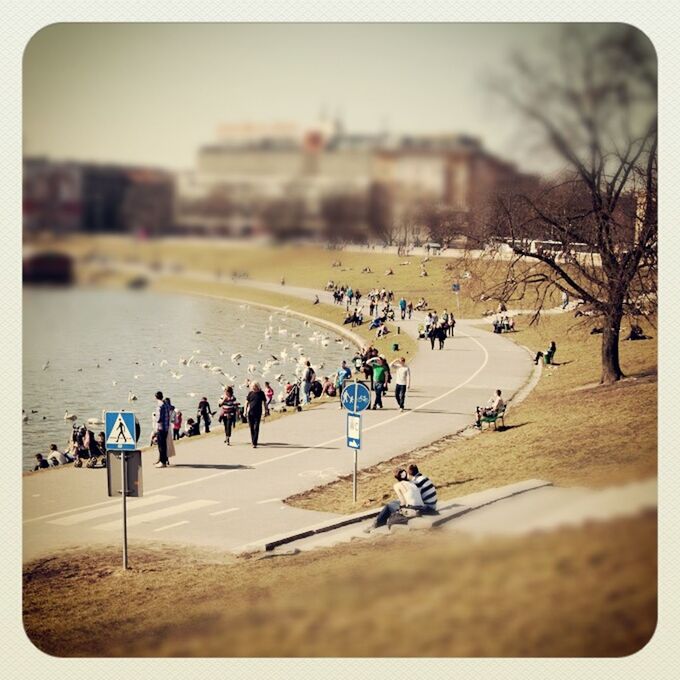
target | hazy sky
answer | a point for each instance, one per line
(153, 93)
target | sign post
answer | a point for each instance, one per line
(121, 438)
(455, 287)
(356, 397)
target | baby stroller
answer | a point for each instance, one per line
(293, 397)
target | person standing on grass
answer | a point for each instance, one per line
(307, 380)
(161, 418)
(402, 381)
(204, 411)
(255, 403)
(229, 406)
(177, 425)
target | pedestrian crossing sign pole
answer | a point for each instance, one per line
(121, 440)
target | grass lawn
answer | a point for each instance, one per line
(587, 591)
(311, 266)
(569, 430)
(582, 591)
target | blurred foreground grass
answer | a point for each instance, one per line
(587, 591)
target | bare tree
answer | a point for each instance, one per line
(592, 231)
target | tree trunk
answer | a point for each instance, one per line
(611, 368)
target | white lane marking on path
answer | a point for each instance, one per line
(172, 526)
(156, 514)
(269, 500)
(405, 414)
(101, 512)
(222, 512)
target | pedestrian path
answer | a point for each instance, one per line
(225, 497)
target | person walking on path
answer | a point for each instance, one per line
(402, 307)
(204, 411)
(161, 418)
(229, 406)
(307, 380)
(441, 335)
(379, 380)
(402, 381)
(255, 403)
(409, 308)
(432, 334)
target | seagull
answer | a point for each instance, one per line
(252, 368)
(283, 331)
(70, 416)
(325, 342)
(235, 357)
(164, 362)
(259, 347)
(230, 378)
(24, 417)
(242, 325)
(307, 323)
(114, 382)
(132, 397)
(176, 376)
(191, 394)
(137, 376)
(46, 365)
(205, 364)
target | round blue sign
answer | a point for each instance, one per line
(356, 397)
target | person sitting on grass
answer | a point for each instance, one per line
(408, 498)
(192, 428)
(428, 491)
(548, 354)
(493, 406)
(382, 330)
(41, 463)
(328, 387)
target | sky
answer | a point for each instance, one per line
(152, 94)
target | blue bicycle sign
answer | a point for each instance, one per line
(356, 397)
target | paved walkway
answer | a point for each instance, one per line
(226, 497)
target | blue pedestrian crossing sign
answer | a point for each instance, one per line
(356, 397)
(354, 430)
(120, 431)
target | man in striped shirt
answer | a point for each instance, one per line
(428, 492)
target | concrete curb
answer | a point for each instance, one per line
(449, 512)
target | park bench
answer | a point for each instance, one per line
(499, 415)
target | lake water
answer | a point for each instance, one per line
(94, 338)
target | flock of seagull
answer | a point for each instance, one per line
(287, 362)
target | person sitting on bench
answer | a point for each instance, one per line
(548, 354)
(493, 406)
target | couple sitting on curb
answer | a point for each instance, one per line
(417, 496)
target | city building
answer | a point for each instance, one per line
(64, 197)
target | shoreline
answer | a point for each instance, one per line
(329, 325)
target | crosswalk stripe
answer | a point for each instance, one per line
(101, 512)
(156, 514)
(222, 512)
